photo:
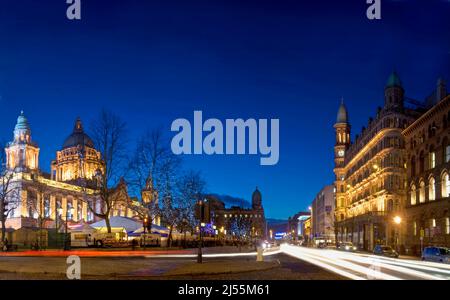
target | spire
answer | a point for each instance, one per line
(342, 115)
(78, 127)
(394, 80)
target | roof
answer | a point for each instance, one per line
(121, 222)
(394, 80)
(78, 137)
(342, 115)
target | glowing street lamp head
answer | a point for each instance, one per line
(309, 208)
(397, 220)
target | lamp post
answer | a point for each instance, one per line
(69, 213)
(397, 221)
(145, 227)
(202, 213)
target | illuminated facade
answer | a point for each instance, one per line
(322, 214)
(427, 214)
(78, 157)
(223, 217)
(370, 173)
(50, 197)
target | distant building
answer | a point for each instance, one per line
(223, 217)
(322, 215)
(297, 229)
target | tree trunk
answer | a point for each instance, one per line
(169, 240)
(108, 224)
(3, 229)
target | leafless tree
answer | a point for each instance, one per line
(241, 228)
(9, 193)
(153, 166)
(109, 133)
(190, 190)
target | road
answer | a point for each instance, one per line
(360, 266)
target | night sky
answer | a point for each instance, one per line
(155, 61)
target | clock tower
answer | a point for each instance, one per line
(342, 130)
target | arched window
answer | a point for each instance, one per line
(421, 162)
(445, 185)
(413, 195)
(422, 192)
(431, 190)
(413, 166)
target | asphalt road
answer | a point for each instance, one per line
(362, 266)
(158, 268)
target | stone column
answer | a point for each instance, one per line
(75, 209)
(64, 207)
(52, 207)
(84, 210)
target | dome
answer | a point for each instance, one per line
(342, 115)
(256, 195)
(394, 80)
(78, 137)
(22, 122)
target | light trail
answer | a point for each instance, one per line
(368, 266)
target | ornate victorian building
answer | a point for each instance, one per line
(224, 217)
(371, 172)
(427, 213)
(56, 196)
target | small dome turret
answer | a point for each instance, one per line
(342, 115)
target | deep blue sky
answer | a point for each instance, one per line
(154, 61)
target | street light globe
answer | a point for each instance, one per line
(397, 220)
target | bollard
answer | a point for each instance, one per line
(259, 254)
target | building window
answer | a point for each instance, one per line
(445, 185)
(415, 228)
(447, 153)
(47, 208)
(431, 190)
(422, 192)
(413, 195)
(433, 223)
(432, 160)
(447, 225)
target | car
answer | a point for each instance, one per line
(266, 245)
(347, 246)
(436, 254)
(385, 251)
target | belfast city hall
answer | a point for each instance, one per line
(37, 195)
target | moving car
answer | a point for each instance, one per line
(385, 251)
(347, 246)
(437, 254)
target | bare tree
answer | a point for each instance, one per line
(190, 190)
(151, 168)
(9, 193)
(241, 228)
(108, 132)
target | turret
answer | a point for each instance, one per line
(393, 93)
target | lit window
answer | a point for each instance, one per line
(432, 190)
(445, 185)
(415, 228)
(447, 225)
(422, 192)
(447, 153)
(413, 195)
(225, 216)
(432, 160)
(433, 223)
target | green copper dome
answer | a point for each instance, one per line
(394, 80)
(22, 123)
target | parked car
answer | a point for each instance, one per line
(347, 246)
(437, 254)
(385, 251)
